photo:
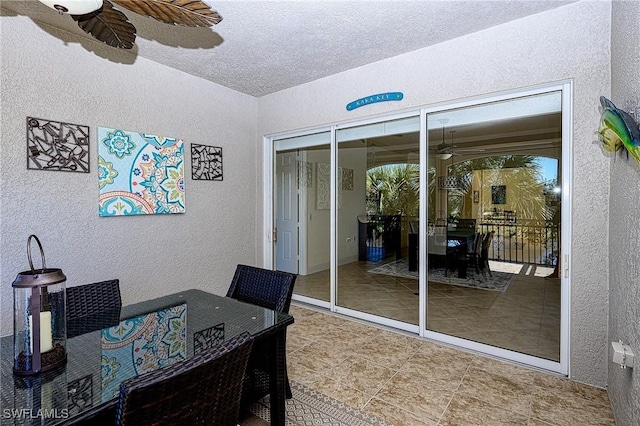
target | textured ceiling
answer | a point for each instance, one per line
(261, 47)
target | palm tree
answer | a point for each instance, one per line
(526, 178)
(394, 190)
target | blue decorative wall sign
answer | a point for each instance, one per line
(372, 99)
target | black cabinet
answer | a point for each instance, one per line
(379, 237)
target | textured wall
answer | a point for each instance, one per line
(624, 238)
(151, 255)
(571, 42)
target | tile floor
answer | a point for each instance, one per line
(525, 318)
(410, 381)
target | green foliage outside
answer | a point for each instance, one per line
(394, 189)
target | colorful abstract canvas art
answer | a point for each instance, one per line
(139, 173)
(142, 344)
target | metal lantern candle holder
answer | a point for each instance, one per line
(39, 311)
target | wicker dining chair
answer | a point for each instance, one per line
(484, 256)
(204, 389)
(272, 290)
(474, 253)
(93, 307)
(262, 287)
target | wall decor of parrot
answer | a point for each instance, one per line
(618, 130)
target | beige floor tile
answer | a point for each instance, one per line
(318, 357)
(301, 373)
(411, 394)
(529, 303)
(452, 326)
(561, 401)
(548, 383)
(336, 390)
(409, 316)
(437, 371)
(383, 353)
(562, 410)
(362, 375)
(465, 410)
(409, 381)
(497, 389)
(396, 415)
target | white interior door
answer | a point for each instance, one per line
(287, 212)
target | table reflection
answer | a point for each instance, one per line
(141, 344)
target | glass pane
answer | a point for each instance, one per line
(302, 212)
(378, 200)
(494, 224)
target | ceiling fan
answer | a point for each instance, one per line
(444, 151)
(103, 21)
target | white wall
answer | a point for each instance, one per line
(318, 249)
(44, 77)
(353, 203)
(571, 42)
(624, 238)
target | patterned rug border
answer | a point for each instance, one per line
(310, 407)
(500, 281)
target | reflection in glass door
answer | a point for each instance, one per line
(378, 193)
(302, 212)
(472, 205)
(494, 224)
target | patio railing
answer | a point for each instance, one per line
(527, 241)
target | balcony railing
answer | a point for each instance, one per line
(524, 241)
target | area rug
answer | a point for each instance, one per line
(312, 408)
(498, 282)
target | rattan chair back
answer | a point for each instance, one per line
(271, 290)
(93, 307)
(204, 389)
(263, 287)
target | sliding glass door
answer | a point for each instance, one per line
(302, 243)
(378, 193)
(494, 224)
(446, 222)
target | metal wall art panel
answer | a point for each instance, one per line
(323, 186)
(52, 145)
(206, 162)
(305, 174)
(139, 173)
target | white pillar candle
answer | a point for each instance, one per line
(46, 337)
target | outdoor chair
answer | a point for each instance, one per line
(474, 252)
(272, 290)
(484, 254)
(93, 307)
(205, 389)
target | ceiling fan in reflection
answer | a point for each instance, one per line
(104, 22)
(444, 151)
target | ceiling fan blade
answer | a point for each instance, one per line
(108, 25)
(190, 13)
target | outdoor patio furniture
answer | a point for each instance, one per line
(93, 307)
(204, 389)
(269, 289)
(484, 253)
(473, 254)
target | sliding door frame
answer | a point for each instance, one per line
(566, 89)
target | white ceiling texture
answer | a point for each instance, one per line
(261, 47)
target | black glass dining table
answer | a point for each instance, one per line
(141, 337)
